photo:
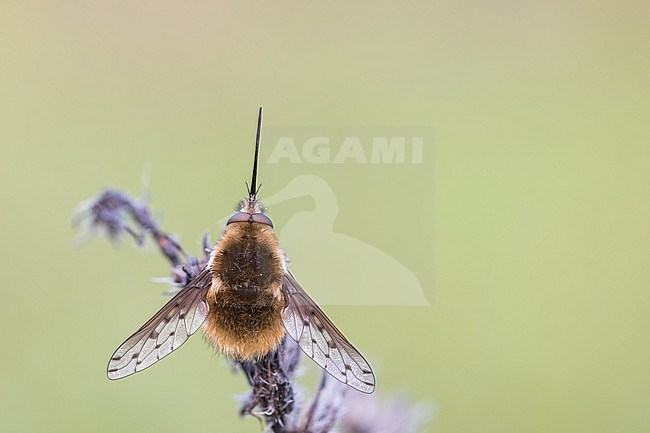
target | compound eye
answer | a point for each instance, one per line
(262, 219)
(244, 217)
(239, 217)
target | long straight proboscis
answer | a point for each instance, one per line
(253, 189)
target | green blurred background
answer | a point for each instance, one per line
(526, 224)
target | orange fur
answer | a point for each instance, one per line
(245, 298)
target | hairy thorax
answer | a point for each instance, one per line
(245, 298)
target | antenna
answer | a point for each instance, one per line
(253, 189)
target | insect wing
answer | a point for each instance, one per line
(165, 332)
(317, 336)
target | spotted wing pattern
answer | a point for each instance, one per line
(165, 332)
(317, 336)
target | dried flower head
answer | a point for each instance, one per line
(110, 212)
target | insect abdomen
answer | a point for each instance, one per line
(244, 331)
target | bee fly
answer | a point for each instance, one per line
(246, 300)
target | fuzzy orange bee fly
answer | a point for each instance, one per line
(246, 300)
